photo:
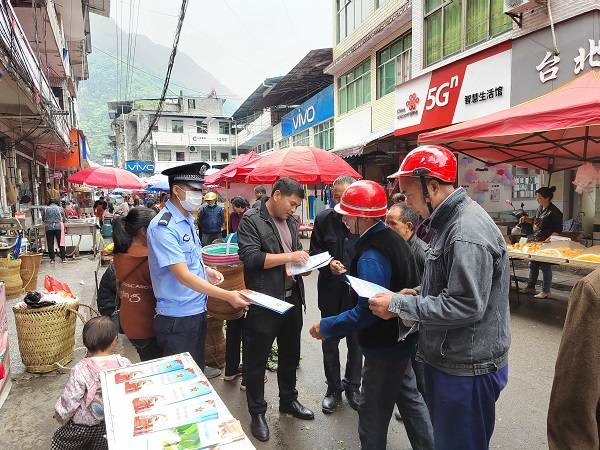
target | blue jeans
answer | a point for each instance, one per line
(534, 270)
(386, 383)
(463, 409)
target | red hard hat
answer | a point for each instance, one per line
(431, 161)
(363, 198)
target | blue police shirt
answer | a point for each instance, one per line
(173, 243)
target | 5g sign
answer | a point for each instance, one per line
(440, 95)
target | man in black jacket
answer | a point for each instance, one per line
(268, 240)
(330, 234)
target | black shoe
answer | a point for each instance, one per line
(353, 397)
(296, 409)
(259, 427)
(331, 400)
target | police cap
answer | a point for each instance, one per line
(192, 174)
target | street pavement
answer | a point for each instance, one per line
(27, 421)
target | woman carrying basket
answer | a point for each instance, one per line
(137, 301)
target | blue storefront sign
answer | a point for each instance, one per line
(137, 166)
(312, 112)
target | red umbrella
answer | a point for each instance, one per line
(107, 177)
(235, 172)
(557, 131)
(307, 165)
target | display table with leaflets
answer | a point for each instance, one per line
(562, 252)
(167, 404)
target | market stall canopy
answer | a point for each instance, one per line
(235, 172)
(107, 177)
(557, 131)
(158, 183)
(307, 165)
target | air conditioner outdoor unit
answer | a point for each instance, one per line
(520, 6)
(193, 149)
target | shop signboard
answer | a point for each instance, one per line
(310, 113)
(137, 166)
(537, 69)
(472, 87)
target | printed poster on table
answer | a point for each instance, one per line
(171, 394)
(175, 415)
(147, 370)
(199, 435)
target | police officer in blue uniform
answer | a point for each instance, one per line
(180, 280)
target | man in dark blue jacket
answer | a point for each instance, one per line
(331, 235)
(382, 257)
(211, 218)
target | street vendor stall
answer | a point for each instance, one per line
(167, 403)
(554, 132)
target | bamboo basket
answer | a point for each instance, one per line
(30, 266)
(10, 274)
(214, 347)
(46, 335)
(233, 281)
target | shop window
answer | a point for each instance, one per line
(177, 126)
(302, 138)
(394, 65)
(164, 155)
(284, 143)
(224, 128)
(324, 135)
(445, 34)
(201, 127)
(179, 156)
(224, 156)
(205, 155)
(350, 14)
(354, 88)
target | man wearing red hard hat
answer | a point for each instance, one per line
(462, 307)
(381, 257)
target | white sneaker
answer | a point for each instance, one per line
(542, 295)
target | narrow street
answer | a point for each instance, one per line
(27, 421)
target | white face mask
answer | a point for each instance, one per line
(192, 201)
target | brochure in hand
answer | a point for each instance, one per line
(364, 288)
(314, 262)
(266, 301)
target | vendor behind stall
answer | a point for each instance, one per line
(548, 220)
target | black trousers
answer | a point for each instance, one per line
(385, 383)
(51, 236)
(331, 363)
(182, 334)
(147, 348)
(233, 341)
(261, 328)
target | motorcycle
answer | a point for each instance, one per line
(519, 230)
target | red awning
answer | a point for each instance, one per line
(557, 131)
(235, 172)
(307, 165)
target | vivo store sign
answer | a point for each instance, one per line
(471, 87)
(312, 112)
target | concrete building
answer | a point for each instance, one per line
(188, 129)
(402, 67)
(260, 117)
(43, 56)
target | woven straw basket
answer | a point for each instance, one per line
(46, 335)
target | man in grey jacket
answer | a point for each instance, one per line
(462, 307)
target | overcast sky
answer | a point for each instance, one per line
(241, 42)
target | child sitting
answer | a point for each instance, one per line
(80, 409)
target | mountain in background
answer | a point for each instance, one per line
(151, 59)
